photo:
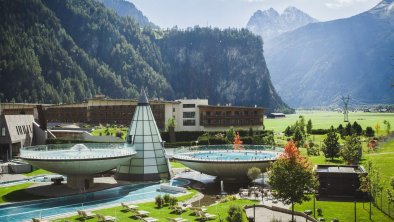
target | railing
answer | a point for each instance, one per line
(60, 151)
(185, 149)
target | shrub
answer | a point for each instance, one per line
(166, 198)
(159, 201)
(319, 131)
(234, 214)
(119, 134)
(173, 201)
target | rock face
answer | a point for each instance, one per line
(318, 63)
(269, 23)
(126, 8)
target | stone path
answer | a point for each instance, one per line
(266, 215)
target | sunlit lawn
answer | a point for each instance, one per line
(16, 193)
(163, 213)
(324, 119)
(37, 172)
(177, 165)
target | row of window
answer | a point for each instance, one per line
(230, 122)
(25, 129)
(230, 113)
(3, 131)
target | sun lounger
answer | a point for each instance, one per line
(129, 207)
(149, 219)
(178, 219)
(102, 218)
(85, 214)
(206, 216)
(39, 220)
(141, 213)
(179, 209)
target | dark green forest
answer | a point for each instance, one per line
(57, 51)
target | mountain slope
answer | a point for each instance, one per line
(125, 8)
(56, 51)
(326, 60)
(225, 66)
(270, 24)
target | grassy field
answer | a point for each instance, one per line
(163, 213)
(324, 119)
(37, 172)
(177, 165)
(16, 193)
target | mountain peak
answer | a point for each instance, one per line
(269, 23)
(384, 8)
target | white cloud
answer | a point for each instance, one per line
(342, 3)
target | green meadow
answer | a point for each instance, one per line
(324, 119)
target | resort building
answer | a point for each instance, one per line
(17, 131)
(189, 114)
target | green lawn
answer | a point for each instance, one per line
(177, 165)
(343, 211)
(16, 193)
(163, 213)
(324, 119)
(111, 131)
(37, 172)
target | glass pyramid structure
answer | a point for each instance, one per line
(150, 163)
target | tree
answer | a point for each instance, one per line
(298, 137)
(234, 214)
(351, 151)
(377, 128)
(159, 201)
(309, 127)
(301, 123)
(171, 122)
(291, 177)
(356, 128)
(388, 126)
(288, 132)
(341, 130)
(253, 173)
(230, 134)
(369, 132)
(348, 130)
(331, 146)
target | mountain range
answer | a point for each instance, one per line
(56, 51)
(270, 24)
(318, 63)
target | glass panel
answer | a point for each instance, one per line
(148, 139)
(149, 154)
(159, 153)
(150, 169)
(138, 139)
(138, 170)
(161, 161)
(150, 162)
(148, 146)
(146, 128)
(156, 139)
(139, 128)
(138, 161)
(163, 168)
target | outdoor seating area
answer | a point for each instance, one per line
(103, 218)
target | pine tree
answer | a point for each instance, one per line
(331, 146)
(351, 151)
(309, 127)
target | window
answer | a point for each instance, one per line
(208, 113)
(189, 122)
(189, 114)
(228, 113)
(173, 110)
(246, 113)
(3, 131)
(189, 105)
(218, 113)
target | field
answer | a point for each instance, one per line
(324, 119)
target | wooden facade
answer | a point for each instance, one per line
(230, 116)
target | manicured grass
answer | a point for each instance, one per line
(343, 211)
(111, 131)
(324, 119)
(16, 193)
(163, 213)
(37, 172)
(177, 165)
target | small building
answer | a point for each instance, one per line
(276, 115)
(339, 181)
(18, 131)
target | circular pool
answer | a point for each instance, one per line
(226, 163)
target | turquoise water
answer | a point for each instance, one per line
(232, 155)
(69, 204)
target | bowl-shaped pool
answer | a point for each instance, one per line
(226, 163)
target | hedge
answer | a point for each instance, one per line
(319, 131)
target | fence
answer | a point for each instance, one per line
(382, 202)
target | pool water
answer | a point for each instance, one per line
(233, 155)
(69, 204)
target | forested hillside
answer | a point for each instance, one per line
(57, 51)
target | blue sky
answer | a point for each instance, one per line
(236, 13)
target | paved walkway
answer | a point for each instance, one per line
(265, 215)
(11, 177)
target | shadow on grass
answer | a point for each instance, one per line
(21, 195)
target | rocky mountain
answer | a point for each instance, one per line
(270, 24)
(318, 63)
(125, 8)
(57, 51)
